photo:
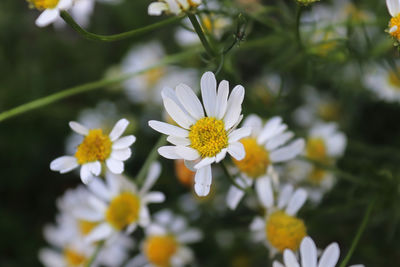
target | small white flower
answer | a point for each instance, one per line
(166, 242)
(267, 146)
(202, 139)
(51, 9)
(118, 194)
(175, 7)
(383, 82)
(280, 228)
(96, 149)
(309, 256)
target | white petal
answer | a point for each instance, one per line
(47, 17)
(86, 175)
(234, 107)
(296, 201)
(168, 129)
(78, 128)
(257, 224)
(204, 162)
(236, 150)
(336, 145)
(284, 196)
(393, 7)
(273, 127)
(202, 181)
(238, 134)
(168, 152)
(290, 259)
(64, 4)
(222, 99)
(118, 129)
(97, 187)
(121, 154)
(190, 101)
(221, 155)
(187, 153)
(234, 196)
(278, 140)
(178, 114)
(152, 176)
(95, 168)
(144, 216)
(178, 141)
(115, 166)
(154, 197)
(124, 142)
(190, 236)
(254, 122)
(277, 264)
(330, 256)
(156, 8)
(308, 252)
(101, 232)
(64, 164)
(208, 85)
(288, 152)
(264, 191)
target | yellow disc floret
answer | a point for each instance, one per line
(95, 147)
(160, 249)
(123, 210)
(316, 149)
(208, 136)
(394, 27)
(256, 160)
(74, 258)
(44, 4)
(86, 227)
(284, 231)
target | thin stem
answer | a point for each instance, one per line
(298, 24)
(94, 256)
(231, 178)
(120, 36)
(150, 159)
(41, 102)
(196, 25)
(358, 235)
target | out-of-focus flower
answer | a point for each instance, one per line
(394, 23)
(280, 229)
(383, 82)
(175, 7)
(146, 88)
(120, 206)
(306, 2)
(96, 149)
(51, 10)
(267, 145)
(309, 256)
(166, 242)
(203, 139)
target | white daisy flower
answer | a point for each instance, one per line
(267, 145)
(96, 149)
(175, 7)
(394, 24)
(280, 229)
(51, 10)
(202, 139)
(119, 205)
(166, 242)
(383, 82)
(146, 88)
(309, 256)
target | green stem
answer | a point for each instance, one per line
(120, 36)
(358, 235)
(231, 178)
(94, 256)
(150, 159)
(196, 25)
(38, 103)
(298, 17)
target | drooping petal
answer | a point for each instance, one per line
(202, 181)
(47, 17)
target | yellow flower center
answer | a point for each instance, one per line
(394, 79)
(185, 176)
(316, 149)
(317, 175)
(208, 136)
(123, 210)
(86, 227)
(44, 4)
(329, 111)
(395, 21)
(95, 147)
(256, 161)
(73, 258)
(153, 76)
(284, 231)
(160, 249)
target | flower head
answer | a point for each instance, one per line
(203, 138)
(95, 149)
(51, 10)
(175, 7)
(394, 23)
(384, 83)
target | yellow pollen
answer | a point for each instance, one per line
(74, 258)
(316, 149)
(394, 79)
(256, 161)
(44, 4)
(160, 249)
(395, 21)
(284, 231)
(86, 227)
(123, 210)
(208, 136)
(95, 147)
(185, 176)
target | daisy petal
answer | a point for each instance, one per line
(296, 201)
(234, 196)
(222, 99)
(95, 168)
(202, 181)
(238, 134)
(264, 191)
(290, 259)
(277, 264)
(124, 142)
(178, 114)
(208, 86)
(284, 196)
(221, 155)
(257, 224)
(330, 256)
(190, 101)
(154, 197)
(234, 107)
(118, 129)
(269, 130)
(278, 140)
(47, 17)
(168, 129)
(64, 164)
(187, 153)
(86, 175)
(156, 8)
(152, 176)
(308, 252)
(64, 4)
(178, 141)
(236, 150)
(78, 128)
(121, 154)
(101, 232)
(115, 166)
(204, 162)
(393, 7)
(168, 152)
(288, 152)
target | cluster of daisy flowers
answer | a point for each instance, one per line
(98, 221)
